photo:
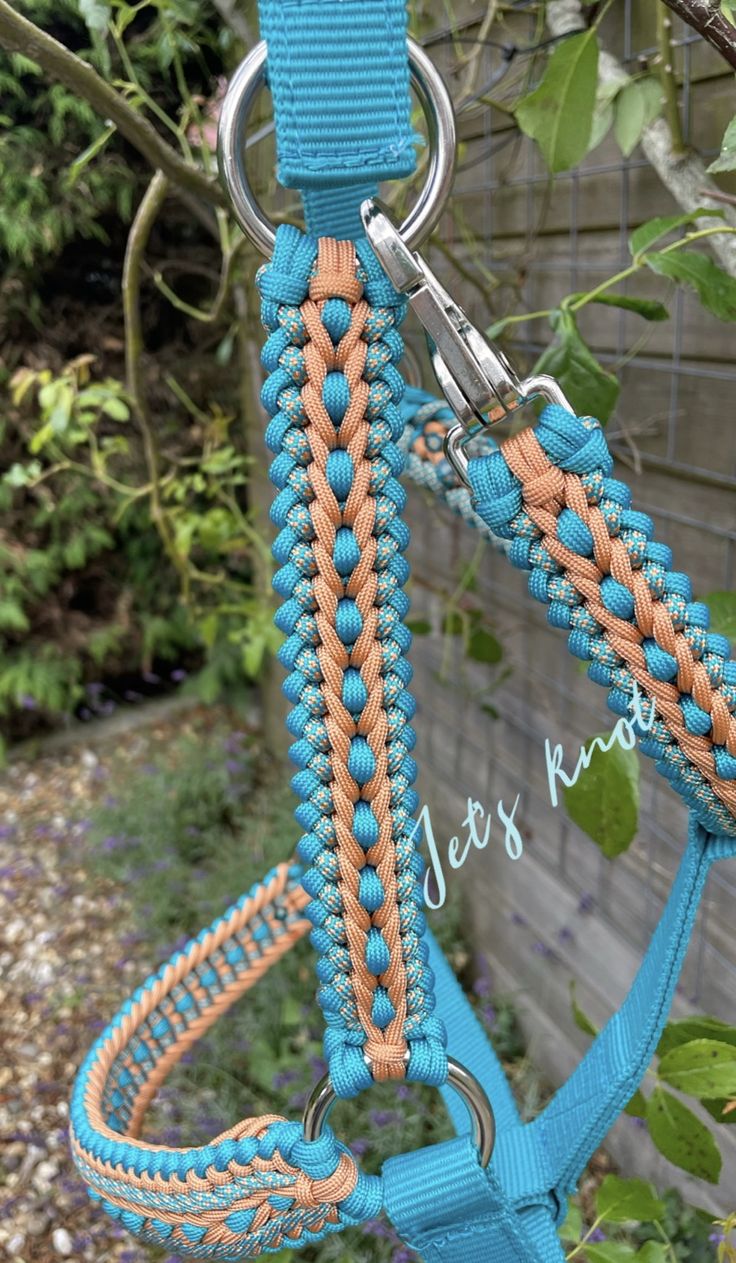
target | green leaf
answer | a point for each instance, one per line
(649, 308)
(608, 1252)
(12, 617)
(654, 1252)
(704, 1068)
(637, 1106)
(453, 623)
(714, 287)
(572, 1228)
(726, 160)
(20, 475)
(581, 1019)
(419, 626)
(654, 229)
(686, 1029)
(604, 801)
(619, 1201)
(681, 1136)
(116, 408)
(637, 105)
(591, 390)
(558, 114)
(722, 606)
(96, 14)
(483, 646)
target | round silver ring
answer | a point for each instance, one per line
(434, 99)
(465, 1084)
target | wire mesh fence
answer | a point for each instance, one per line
(528, 244)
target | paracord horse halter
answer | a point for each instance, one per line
(332, 306)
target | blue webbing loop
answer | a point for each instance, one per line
(535, 1166)
(339, 76)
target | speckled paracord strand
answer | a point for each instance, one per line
(593, 560)
(256, 1187)
(333, 391)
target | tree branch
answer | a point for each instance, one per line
(683, 174)
(140, 232)
(19, 35)
(705, 17)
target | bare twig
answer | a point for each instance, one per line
(668, 79)
(19, 35)
(717, 196)
(705, 17)
(140, 232)
(683, 174)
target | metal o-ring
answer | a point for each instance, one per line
(323, 1097)
(435, 101)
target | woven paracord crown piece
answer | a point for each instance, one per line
(255, 1188)
(595, 564)
(332, 394)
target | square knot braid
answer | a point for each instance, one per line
(332, 393)
(594, 562)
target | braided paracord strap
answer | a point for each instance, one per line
(332, 393)
(594, 562)
(427, 422)
(255, 1188)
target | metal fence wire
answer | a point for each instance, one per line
(481, 729)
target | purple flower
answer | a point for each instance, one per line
(403, 1255)
(518, 919)
(482, 986)
(283, 1078)
(565, 935)
(28, 703)
(383, 1118)
(377, 1228)
(359, 1147)
(596, 1235)
(489, 1014)
(717, 1238)
(586, 902)
(151, 678)
(234, 767)
(178, 675)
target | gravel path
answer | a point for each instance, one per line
(68, 956)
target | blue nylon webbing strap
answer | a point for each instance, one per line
(512, 1215)
(339, 76)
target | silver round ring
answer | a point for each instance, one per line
(434, 99)
(465, 1084)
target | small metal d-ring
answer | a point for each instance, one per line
(435, 101)
(539, 386)
(323, 1097)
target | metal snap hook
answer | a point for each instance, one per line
(434, 99)
(323, 1098)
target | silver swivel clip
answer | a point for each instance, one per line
(477, 380)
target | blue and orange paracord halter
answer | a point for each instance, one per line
(392, 1006)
